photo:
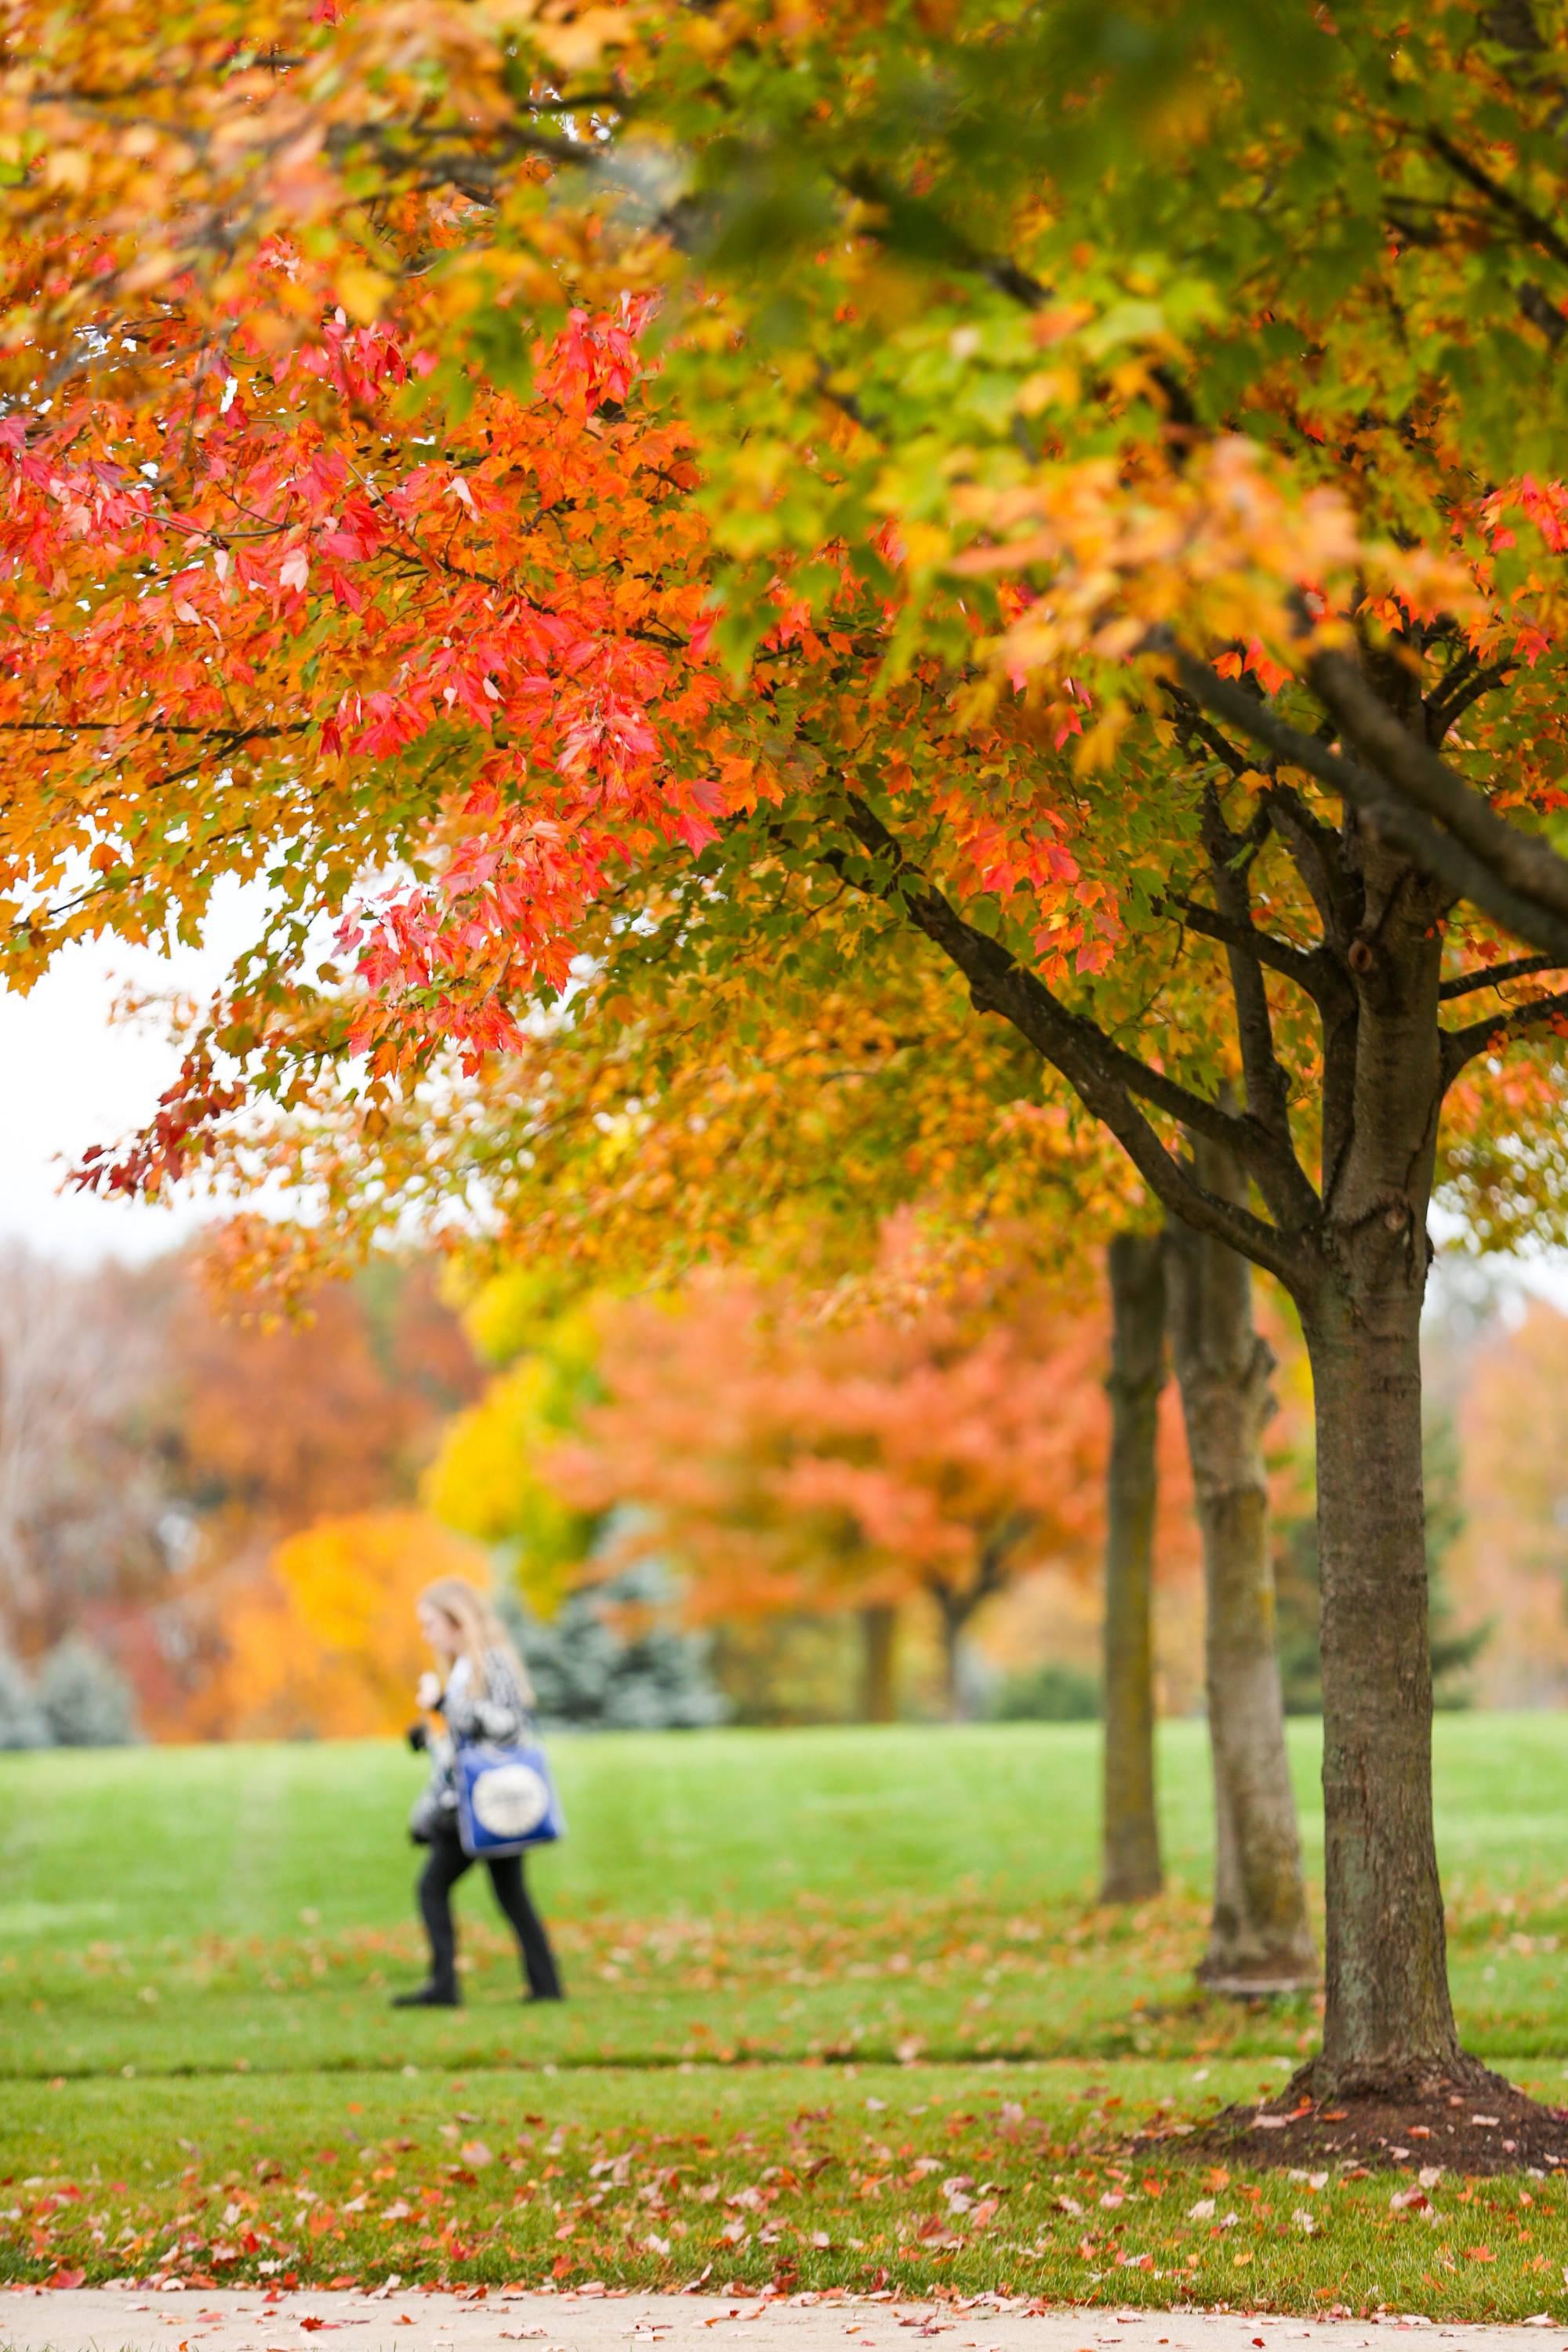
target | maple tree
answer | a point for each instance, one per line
(1131, 1865)
(1292, 495)
(1207, 400)
(181, 703)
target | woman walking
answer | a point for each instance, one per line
(481, 1693)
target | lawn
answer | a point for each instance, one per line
(842, 2005)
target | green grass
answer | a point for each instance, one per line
(817, 1972)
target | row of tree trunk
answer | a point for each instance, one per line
(1199, 1294)
(1181, 1301)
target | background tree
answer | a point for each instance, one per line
(791, 1456)
(1131, 1865)
(315, 1427)
(1260, 1935)
(489, 1479)
(84, 1701)
(22, 1720)
(613, 1657)
(157, 1449)
(323, 1640)
(83, 1502)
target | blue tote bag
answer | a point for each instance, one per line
(506, 1799)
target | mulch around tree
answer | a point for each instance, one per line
(1476, 2126)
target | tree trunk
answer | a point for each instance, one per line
(1131, 1834)
(879, 1635)
(1389, 2022)
(954, 1613)
(1260, 1938)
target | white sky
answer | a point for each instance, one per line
(73, 1079)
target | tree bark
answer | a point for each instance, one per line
(1131, 1866)
(879, 1635)
(1260, 1937)
(1389, 2023)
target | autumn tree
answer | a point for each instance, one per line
(323, 1641)
(692, 1434)
(1316, 562)
(269, 1423)
(268, 1432)
(796, 1451)
(157, 1447)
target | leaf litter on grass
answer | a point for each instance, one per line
(288, 2027)
(950, 1977)
(880, 2180)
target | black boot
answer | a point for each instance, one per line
(555, 1995)
(429, 1996)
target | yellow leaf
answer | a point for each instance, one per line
(584, 40)
(362, 292)
(924, 544)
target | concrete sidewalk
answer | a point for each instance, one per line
(107, 2319)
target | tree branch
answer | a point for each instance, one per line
(1440, 854)
(1317, 855)
(225, 735)
(1310, 968)
(870, 186)
(1524, 865)
(1462, 1045)
(1267, 1095)
(1493, 975)
(1107, 1079)
(1534, 226)
(1460, 688)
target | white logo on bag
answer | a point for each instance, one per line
(509, 1800)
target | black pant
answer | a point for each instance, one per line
(445, 1865)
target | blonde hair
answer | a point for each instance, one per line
(479, 1630)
